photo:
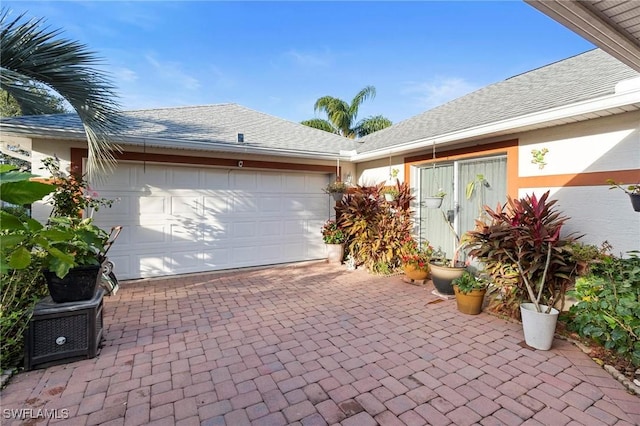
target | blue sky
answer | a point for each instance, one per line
(279, 57)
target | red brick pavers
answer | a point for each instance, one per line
(314, 344)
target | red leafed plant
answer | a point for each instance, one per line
(416, 255)
(375, 228)
(524, 252)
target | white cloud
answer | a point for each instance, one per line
(172, 71)
(124, 75)
(309, 59)
(438, 91)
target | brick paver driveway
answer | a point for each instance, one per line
(315, 344)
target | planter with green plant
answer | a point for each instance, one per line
(632, 190)
(469, 291)
(60, 246)
(434, 201)
(336, 189)
(524, 253)
(390, 193)
(334, 239)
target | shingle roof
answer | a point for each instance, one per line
(209, 124)
(586, 76)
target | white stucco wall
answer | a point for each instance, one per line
(374, 172)
(599, 145)
(597, 213)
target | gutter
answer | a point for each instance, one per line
(616, 100)
(179, 144)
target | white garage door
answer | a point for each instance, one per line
(189, 219)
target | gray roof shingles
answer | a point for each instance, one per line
(205, 124)
(586, 76)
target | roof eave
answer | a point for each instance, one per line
(508, 126)
(174, 143)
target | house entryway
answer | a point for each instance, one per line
(456, 210)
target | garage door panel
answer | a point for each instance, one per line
(244, 203)
(216, 204)
(185, 219)
(293, 184)
(153, 176)
(150, 265)
(270, 228)
(153, 206)
(270, 205)
(216, 258)
(215, 179)
(185, 234)
(185, 261)
(186, 206)
(184, 177)
(149, 234)
(247, 181)
(269, 183)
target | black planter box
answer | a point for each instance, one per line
(59, 333)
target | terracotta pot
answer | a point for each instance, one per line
(442, 276)
(470, 303)
(416, 273)
(335, 253)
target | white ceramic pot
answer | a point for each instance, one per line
(538, 327)
(335, 253)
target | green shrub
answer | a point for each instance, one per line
(376, 229)
(608, 308)
(20, 290)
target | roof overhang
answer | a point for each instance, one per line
(612, 26)
(60, 134)
(626, 100)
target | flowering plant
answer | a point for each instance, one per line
(332, 233)
(73, 193)
(415, 255)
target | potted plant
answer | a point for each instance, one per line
(390, 193)
(444, 270)
(632, 190)
(62, 246)
(415, 258)
(334, 239)
(435, 201)
(469, 291)
(523, 251)
(336, 189)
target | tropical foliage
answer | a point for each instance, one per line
(376, 229)
(341, 116)
(524, 253)
(608, 308)
(33, 58)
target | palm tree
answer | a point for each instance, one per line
(33, 58)
(342, 116)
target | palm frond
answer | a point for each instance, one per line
(33, 55)
(371, 124)
(319, 123)
(363, 95)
